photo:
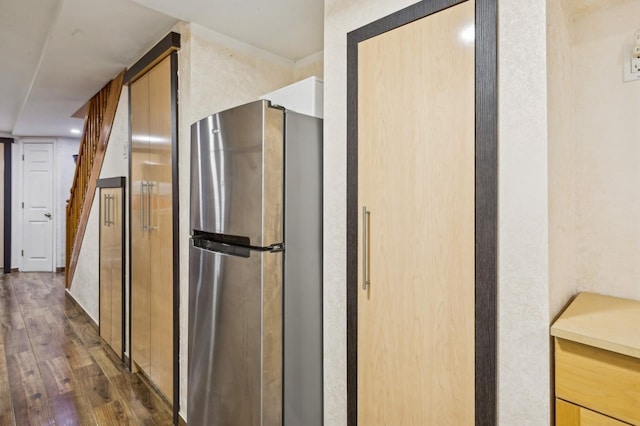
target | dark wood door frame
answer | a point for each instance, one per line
(486, 201)
(7, 145)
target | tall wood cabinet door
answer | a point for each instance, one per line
(416, 194)
(111, 288)
(161, 233)
(115, 257)
(106, 279)
(140, 200)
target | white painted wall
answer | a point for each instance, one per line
(607, 133)
(524, 394)
(2, 201)
(16, 211)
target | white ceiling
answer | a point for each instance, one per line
(292, 29)
(58, 53)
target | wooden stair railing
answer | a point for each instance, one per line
(101, 111)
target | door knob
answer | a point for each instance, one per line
(47, 215)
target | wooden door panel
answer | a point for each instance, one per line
(140, 270)
(105, 271)
(416, 178)
(161, 235)
(115, 255)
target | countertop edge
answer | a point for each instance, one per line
(596, 342)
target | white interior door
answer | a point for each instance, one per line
(37, 235)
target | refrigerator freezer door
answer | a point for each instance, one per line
(237, 173)
(235, 339)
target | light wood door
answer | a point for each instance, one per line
(111, 272)
(416, 180)
(106, 278)
(140, 256)
(152, 226)
(117, 267)
(161, 232)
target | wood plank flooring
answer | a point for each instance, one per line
(55, 369)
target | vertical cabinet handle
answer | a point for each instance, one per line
(107, 212)
(143, 185)
(149, 187)
(365, 247)
(112, 209)
(108, 217)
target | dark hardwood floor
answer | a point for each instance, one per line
(54, 368)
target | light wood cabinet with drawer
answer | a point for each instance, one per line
(597, 362)
(568, 414)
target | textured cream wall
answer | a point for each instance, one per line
(562, 164)
(85, 287)
(607, 154)
(523, 253)
(226, 73)
(216, 73)
(524, 394)
(311, 66)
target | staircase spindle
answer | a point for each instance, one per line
(101, 110)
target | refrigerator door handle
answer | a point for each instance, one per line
(365, 247)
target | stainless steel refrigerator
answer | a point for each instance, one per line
(255, 278)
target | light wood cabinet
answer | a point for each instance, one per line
(597, 362)
(111, 315)
(152, 258)
(568, 414)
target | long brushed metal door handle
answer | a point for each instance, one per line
(142, 198)
(149, 188)
(365, 247)
(112, 209)
(106, 210)
(110, 205)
